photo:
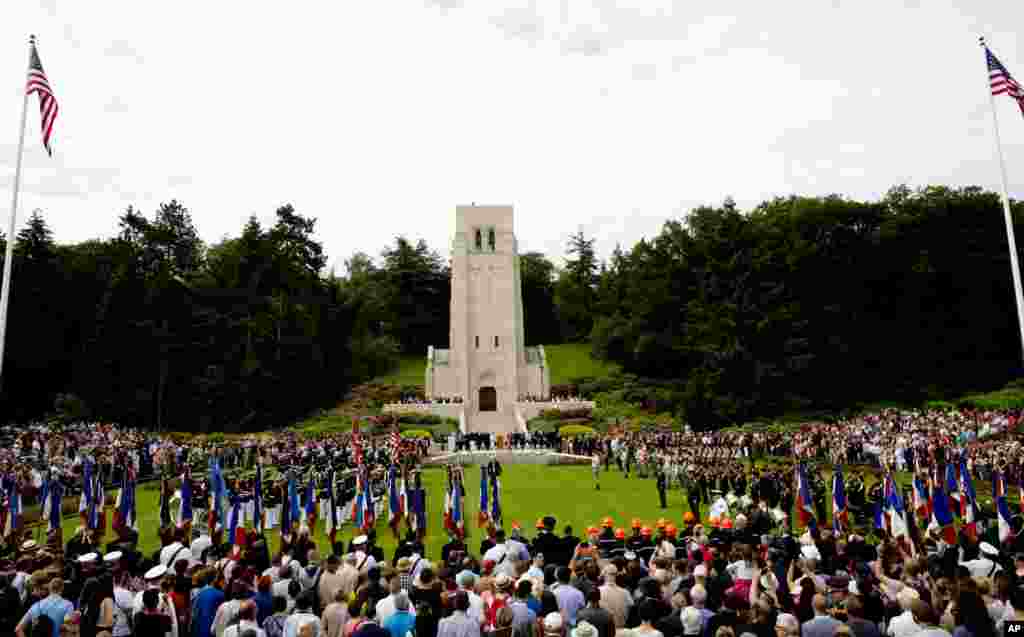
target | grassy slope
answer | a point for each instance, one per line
(566, 362)
(528, 492)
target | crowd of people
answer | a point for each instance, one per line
(747, 569)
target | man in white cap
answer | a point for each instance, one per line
(153, 577)
(364, 561)
(175, 551)
(985, 565)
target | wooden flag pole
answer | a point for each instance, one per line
(5, 295)
(1014, 266)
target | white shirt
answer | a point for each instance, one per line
(298, 620)
(123, 603)
(981, 567)
(386, 608)
(476, 606)
(370, 562)
(280, 589)
(903, 625)
(496, 553)
(199, 545)
(236, 630)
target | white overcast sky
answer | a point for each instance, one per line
(379, 117)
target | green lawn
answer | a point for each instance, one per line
(565, 362)
(573, 360)
(528, 493)
(411, 371)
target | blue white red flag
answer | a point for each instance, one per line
(483, 516)
(804, 504)
(968, 502)
(840, 516)
(942, 517)
(1002, 508)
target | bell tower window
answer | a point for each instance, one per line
(490, 239)
(479, 242)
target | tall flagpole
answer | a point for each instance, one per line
(1006, 208)
(5, 295)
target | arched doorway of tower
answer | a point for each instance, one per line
(488, 399)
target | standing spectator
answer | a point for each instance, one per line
(152, 621)
(570, 599)
(303, 615)
(614, 598)
(401, 621)
(273, 626)
(458, 624)
(595, 616)
(53, 606)
(335, 616)
(823, 625)
(247, 613)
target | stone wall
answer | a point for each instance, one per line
(508, 457)
(532, 410)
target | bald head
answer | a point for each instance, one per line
(819, 603)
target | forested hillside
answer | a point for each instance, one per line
(801, 302)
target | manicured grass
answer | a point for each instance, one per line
(529, 492)
(411, 371)
(573, 360)
(565, 361)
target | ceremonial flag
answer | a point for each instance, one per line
(447, 513)
(456, 495)
(99, 511)
(921, 498)
(395, 445)
(896, 521)
(165, 503)
(968, 502)
(370, 514)
(37, 83)
(953, 488)
(13, 507)
(236, 510)
(1002, 509)
(483, 516)
(44, 498)
(840, 520)
(217, 492)
(295, 511)
(332, 517)
(85, 501)
(54, 500)
(286, 515)
(419, 497)
(124, 514)
(259, 515)
(496, 500)
(1001, 82)
(185, 510)
(804, 504)
(310, 522)
(357, 443)
(942, 517)
(394, 501)
(403, 495)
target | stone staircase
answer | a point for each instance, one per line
(498, 422)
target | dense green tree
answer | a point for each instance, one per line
(537, 280)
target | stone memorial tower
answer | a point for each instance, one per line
(487, 362)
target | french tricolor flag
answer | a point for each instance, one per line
(804, 504)
(942, 517)
(1002, 508)
(968, 513)
(840, 520)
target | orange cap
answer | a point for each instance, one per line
(620, 534)
(713, 521)
(608, 523)
(636, 523)
(688, 518)
(540, 523)
(671, 530)
(592, 530)
(726, 523)
(515, 525)
(662, 523)
(645, 531)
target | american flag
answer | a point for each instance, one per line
(1001, 81)
(395, 445)
(37, 83)
(357, 444)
